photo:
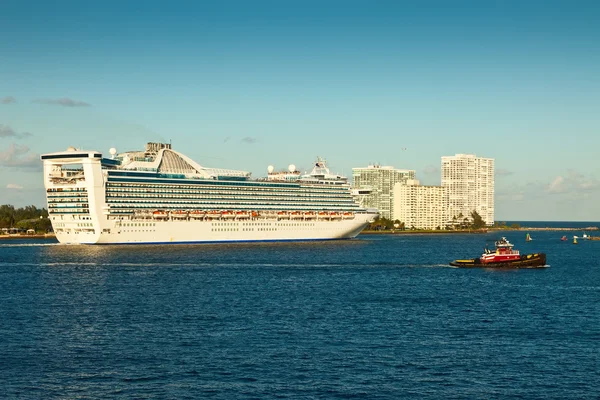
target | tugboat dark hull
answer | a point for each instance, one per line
(526, 261)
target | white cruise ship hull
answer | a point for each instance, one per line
(182, 232)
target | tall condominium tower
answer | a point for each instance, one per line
(469, 183)
(377, 185)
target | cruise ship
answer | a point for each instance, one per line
(159, 195)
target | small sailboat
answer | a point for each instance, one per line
(528, 238)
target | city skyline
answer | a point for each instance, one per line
(247, 85)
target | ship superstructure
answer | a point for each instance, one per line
(161, 196)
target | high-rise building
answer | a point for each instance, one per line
(420, 207)
(376, 183)
(469, 183)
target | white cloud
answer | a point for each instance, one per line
(8, 100)
(569, 196)
(557, 185)
(65, 101)
(17, 156)
(573, 183)
(14, 186)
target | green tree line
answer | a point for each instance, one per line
(458, 222)
(28, 217)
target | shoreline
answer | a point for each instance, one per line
(470, 232)
(589, 228)
(423, 232)
(36, 236)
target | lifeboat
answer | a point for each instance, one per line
(160, 214)
(213, 214)
(283, 215)
(323, 215)
(335, 215)
(179, 214)
(254, 214)
(227, 214)
(503, 257)
(309, 215)
(197, 214)
(348, 215)
(242, 215)
(296, 215)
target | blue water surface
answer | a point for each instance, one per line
(379, 317)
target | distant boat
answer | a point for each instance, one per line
(574, 239)
(528, 238)
(564, 238)
(585, 236)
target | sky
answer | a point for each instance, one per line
(248, 84)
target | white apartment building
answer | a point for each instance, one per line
(376, 183)
(421, 207)
(469, 184)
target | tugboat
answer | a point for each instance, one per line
(504, 257)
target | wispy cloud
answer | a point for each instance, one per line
(503, 172)
(249, 140)
(226, 139)
(14, 186)
(557, 185)
(568, 187)
(573, 182)
(65, 101)
(19, 157)
(7, 131)
(8, 100)
(431, 169)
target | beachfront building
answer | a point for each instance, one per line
(374, 186)
(419, 206)
(469, 184)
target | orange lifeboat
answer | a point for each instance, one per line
(348, 215)
(309, 215)
(213, 214)
(254, 214)
(179, 214)
(323, 214)
(242, 215)
(227, 214)
(296, 215)
(160, 214)
(283, 215)
(197, 214)
(335, 215)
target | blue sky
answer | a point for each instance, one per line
(247, 84)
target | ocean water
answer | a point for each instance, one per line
(379, 317)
